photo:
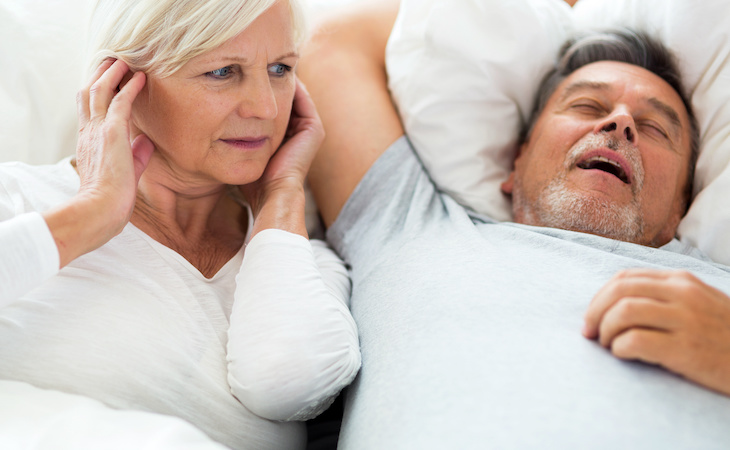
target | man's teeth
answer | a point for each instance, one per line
(604, 159)
(607, 165)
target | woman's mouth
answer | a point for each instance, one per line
(247, 143)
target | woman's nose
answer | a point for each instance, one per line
(258, 99)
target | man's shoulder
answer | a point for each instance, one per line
(685, 248)
(396, 199)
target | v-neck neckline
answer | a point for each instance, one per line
(166, 252)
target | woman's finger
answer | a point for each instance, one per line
(304, 116)
(121, 105)
(103, 90)
(303, 103)
(82, 98)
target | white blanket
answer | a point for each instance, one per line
(33, 418)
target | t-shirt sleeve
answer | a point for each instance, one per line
(292, 343)
(395, 196)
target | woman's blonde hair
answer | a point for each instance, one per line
(159, 36)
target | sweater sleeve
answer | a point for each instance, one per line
(29, 255)
(292, 343)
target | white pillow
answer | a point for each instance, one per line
(43, 46)
(463, 74)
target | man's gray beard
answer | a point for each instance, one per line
(559, 207)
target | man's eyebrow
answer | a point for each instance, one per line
(664, 109)
(668, 112)
(583, 85)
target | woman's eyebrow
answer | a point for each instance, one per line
(244, 61)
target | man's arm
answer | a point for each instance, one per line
(667, 318)
(343, 67)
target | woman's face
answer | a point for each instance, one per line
(221, 117)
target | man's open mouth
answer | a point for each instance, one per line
(607, 165)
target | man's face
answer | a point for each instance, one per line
(607, 156)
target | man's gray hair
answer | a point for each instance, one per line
(622, 45)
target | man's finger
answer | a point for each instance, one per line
(637, 312)
(658, 285)
(651, 346)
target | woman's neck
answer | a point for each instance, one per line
(200, 222)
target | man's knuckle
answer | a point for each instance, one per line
(687, 287)
(628, 345)
(623, 274)
(625, 310)
(684, 276)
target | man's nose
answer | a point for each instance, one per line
(621, 124)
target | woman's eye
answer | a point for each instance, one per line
(279, 70)
(223, 72)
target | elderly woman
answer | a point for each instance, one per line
(167, 268)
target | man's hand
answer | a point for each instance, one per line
(667, 318)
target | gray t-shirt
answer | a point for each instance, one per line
(471, 331)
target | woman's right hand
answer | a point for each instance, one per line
(109, 165)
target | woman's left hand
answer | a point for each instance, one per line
(277, 198)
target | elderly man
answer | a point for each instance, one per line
(471, 329)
